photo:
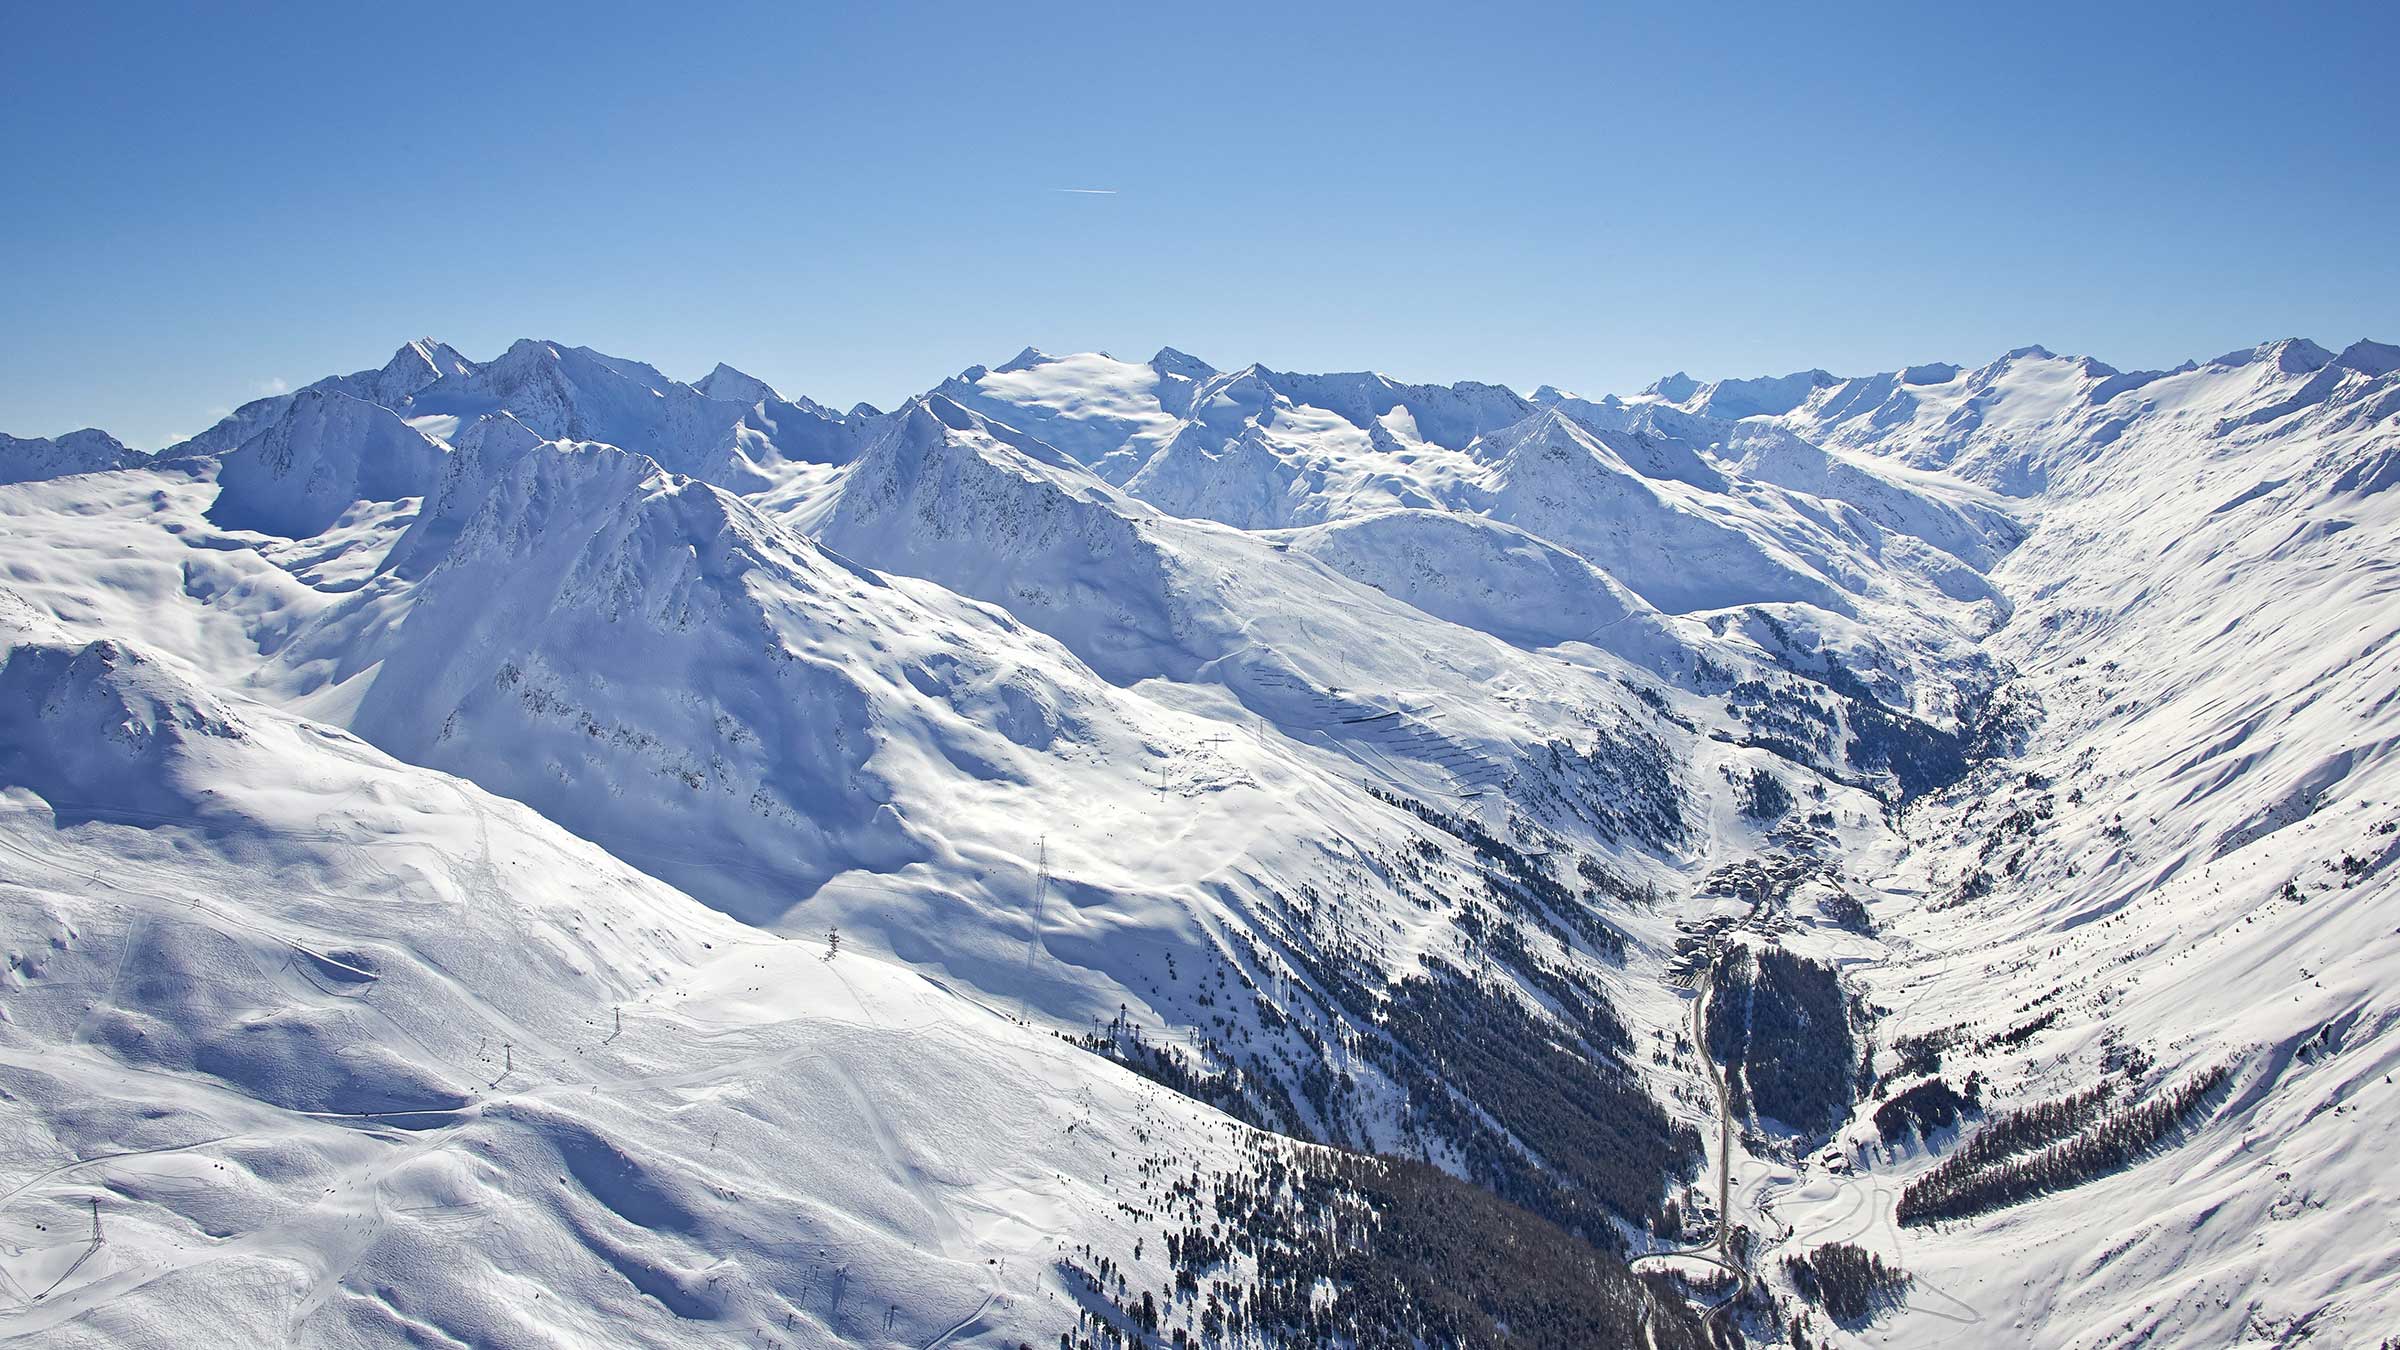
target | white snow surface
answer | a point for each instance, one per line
(426, 798)
(352, 1052)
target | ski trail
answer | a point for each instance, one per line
(962, 1324)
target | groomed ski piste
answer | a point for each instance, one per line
(538, 853)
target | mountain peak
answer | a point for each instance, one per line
(527, 352)
(427, 356)
(26, 459)
(926, 411)
(495, 432)
(416, 365)
(1674, 388)
(1547, 432)
(725, 382)
(1169, 361)
(1765, 396)
(935, 424)
(2292, 356)
(93, 439)
(2368, 358)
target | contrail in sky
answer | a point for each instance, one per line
(1089, 192)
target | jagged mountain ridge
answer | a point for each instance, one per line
(2012, 422)
(25, 459)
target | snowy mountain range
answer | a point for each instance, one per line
(535, 852)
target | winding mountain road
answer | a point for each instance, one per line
(1720, 1252)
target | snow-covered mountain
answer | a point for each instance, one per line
(26, 459)
(1049, 862)
(2185, 873)
(413, 367)
(730, 428)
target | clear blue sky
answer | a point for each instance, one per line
(855, 201)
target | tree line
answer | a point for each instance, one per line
(2051, 1147)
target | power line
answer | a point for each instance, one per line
(1033, 934)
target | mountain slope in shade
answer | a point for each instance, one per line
(325, 452)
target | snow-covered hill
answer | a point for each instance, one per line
(1988, 770)
(307, 1044)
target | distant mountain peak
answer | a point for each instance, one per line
(527, 361)
(2368, 358)
(26, 459)
(927, 411)
(1674, 388)
(426, 357)
(1169, 361)
(1765, 396)
(89, 438)
(2293, 356)
(737, 386)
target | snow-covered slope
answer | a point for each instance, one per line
(1481, 574)
(306, 1045)
(887, 731)
(2196, 858)
(323, 453)
(1989, 771)
(2186, 872)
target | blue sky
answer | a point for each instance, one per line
(855, 201)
